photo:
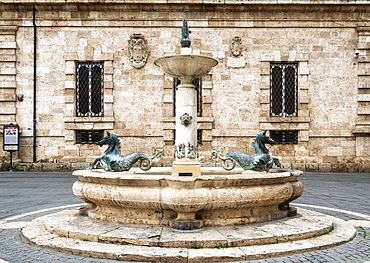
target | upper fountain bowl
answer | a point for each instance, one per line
(186, 67)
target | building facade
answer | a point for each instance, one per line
(300, 71)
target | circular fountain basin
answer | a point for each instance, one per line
(213, 199)
(186, 67)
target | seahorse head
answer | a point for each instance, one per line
(267, 139)
(259, 143)
(262, 138)
(111, 140)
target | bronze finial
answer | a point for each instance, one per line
(185, 40)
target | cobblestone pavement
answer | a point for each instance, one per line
(25, 196)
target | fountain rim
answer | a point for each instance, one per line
(246, 178)
(185, 56)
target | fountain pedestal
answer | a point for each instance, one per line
(186, 67)
(186, 163)
(186, 168)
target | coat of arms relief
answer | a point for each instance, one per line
(138, 50)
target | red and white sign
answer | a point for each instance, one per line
(11, 138)
(10, 147)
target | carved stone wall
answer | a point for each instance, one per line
(362, 128)
(332, 120)
(8, 73)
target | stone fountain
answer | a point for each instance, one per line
(136, 205)
(190, 197)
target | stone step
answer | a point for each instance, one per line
(307, 225)
(70, 233)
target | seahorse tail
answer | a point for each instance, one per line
(214, 154)
(142, 166)
(157, 153)
(223, 163)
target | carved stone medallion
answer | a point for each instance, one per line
(236, 46)
(186, 119)
(138, 50)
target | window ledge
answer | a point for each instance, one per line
(199, 119)
(234, 133)
(169, 119)
(205, 119)
(360, 131)
(88, 119)
(284, 119)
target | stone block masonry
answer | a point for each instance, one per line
(332, 85)
(8, 84)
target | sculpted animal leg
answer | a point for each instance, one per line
(269, 165)
(275, 161)
(94, 165)
(113, 166)
(104, 165)
(278, 163)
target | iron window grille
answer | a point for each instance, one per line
(284, 90)
(284, 137)
(199, 136)
(198, 87)
(89, 89)
(89, 137)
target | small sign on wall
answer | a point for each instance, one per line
(11, 138)
(232, 62)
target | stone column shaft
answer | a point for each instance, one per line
(186, 104)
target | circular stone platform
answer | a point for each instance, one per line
(69, 232)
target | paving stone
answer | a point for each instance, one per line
(35, 191)
(217, 255)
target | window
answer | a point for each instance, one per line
(199, 137)
(89, 90)
(284, 91)
(284, 137)
(198, 86)
(89, 137)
